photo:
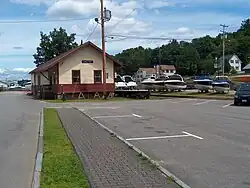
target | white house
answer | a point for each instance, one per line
(234, 62)
(152, 72)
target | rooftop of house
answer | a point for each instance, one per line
(148, 70)
(161, 67)
(247, 67)
(2, 82)
(228, 57)
(49, 64)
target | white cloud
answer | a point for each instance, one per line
(34, 2)
(157, 12)
(2, 70)
(23, 69)
(182, 30)
(157, 4)
(72, 8)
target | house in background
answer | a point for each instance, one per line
(233, 60)
(153, 72)
(77, 71)
(246, 69)
(3, 86)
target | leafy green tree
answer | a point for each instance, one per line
(245, 27)
(233, 71)
(53, 44)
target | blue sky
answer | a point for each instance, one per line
(185, 19)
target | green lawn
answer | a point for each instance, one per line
(61, 166)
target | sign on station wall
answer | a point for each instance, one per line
(87, 61)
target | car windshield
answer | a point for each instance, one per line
(175, 77)
(244, 88)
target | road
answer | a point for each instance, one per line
(19, 121)
(218, 155)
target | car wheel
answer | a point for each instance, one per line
(236, 103)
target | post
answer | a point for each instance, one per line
(223, 46)
(103, 49)
(223, 58)
(159, 61)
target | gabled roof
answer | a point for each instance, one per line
(228, 57)
(162, 68)
(2, 82)
(62, 56)
(148, 70)
(167, 67)
(247, 67)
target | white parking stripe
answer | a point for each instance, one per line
(227, 105)
(204, 102)
(136, 115)
(192, 135)
(157, 137)
(118, 116)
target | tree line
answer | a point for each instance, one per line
(190, 58)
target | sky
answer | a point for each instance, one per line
(22, 20)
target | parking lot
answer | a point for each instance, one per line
(203, 142)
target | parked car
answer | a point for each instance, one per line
(242, 95)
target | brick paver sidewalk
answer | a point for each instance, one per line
(108, 162)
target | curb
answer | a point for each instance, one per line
(39, 154)
(192, 97)
(159, 167)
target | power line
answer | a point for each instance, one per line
(92, 32)
(114, 26)
(147, 38)
(38, 21)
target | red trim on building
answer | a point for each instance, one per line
(85, 88)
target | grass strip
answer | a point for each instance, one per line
(61, 166)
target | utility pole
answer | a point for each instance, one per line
(159, 63)
(105, 16)
(103, 49)
(223, 44)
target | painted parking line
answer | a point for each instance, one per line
(227, 105)
(97, 107)
(136, 115)
(156, 137)
(185, 134)
(103, 107)
(204, 102)
(193, 135)
(117, 116)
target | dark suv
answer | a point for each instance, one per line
(242, 95)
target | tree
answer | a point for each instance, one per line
(245, 27)
(53, 44)
(233, 71)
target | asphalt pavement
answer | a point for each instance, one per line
(19, 122)
(206, 143)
